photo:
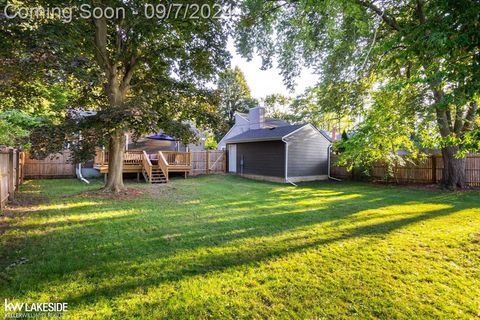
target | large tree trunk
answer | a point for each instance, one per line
(119, 75)
(116, 145)
(116, 150)
(453, 169)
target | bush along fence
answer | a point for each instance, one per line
(11, 174)
(427, 171)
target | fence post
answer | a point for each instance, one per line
(224, 154)
(434, 169)
(207, 169)
(17, 171)
(11, 183)
(21, 166)
(1, 200)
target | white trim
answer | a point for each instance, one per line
(223, 141)
(226, 134)
(329, 150)
(286, 163)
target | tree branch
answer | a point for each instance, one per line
(470, 117)
(118, 40)
(420, 12)
(389, 20)
(129, 69)
(442, 118)
(458, 124)
(101, 44)
(448, 113)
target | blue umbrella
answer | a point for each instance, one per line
(162, 136)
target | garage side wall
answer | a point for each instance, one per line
(266, 158)
(307, 153)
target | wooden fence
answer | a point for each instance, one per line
(58, 165)
(11, 176)
(207, 162)
(429, 170)
(53, 166)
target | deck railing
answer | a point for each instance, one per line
(129, 157)
(133, 157)
(147, 166)
(172, 158)
(163, 164)
(175, 158)
(167, 161)
(99, 157)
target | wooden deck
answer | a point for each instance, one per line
(155, 167)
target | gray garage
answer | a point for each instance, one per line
(288, 153)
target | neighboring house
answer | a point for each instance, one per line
(287, 153)
(242, 124)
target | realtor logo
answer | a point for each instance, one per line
(15, 310)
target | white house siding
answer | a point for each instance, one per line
(241, 125)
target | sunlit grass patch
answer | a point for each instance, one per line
(225, 247)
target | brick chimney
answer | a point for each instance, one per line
(256, 117)
(334, 133)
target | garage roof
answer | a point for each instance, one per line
(275, 133)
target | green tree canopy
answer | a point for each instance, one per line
(140, 73)
(15, 127)
(278, 106)
(234, 95)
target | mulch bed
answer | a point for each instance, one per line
(22, 205)
(27, 200)
(129, 193)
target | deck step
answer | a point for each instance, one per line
(156, 177)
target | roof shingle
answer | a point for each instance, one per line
(276, 133)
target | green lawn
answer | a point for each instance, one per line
(223, 247)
